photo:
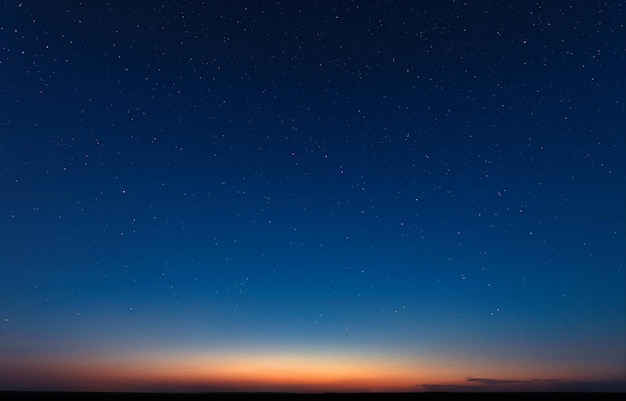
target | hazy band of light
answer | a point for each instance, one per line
(278, 369)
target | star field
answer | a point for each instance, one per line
(312, 196)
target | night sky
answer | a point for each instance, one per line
(312, 195)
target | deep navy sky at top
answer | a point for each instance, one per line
(304, 168)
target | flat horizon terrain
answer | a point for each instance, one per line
(55, 395)
(263, 395)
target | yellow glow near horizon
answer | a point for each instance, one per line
(276, 370)
(265, 370)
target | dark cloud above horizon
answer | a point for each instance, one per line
(476, 384)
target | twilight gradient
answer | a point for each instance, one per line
(312, 196)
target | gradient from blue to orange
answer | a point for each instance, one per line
(312, 196)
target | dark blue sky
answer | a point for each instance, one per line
(312, 195)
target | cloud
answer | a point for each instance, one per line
(492, 381)
(482, 384)
(445, 388)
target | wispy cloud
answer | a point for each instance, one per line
(482, 380)
(482, 384)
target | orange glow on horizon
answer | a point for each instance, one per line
(265, 371)
(280, 371)
(276, 372)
